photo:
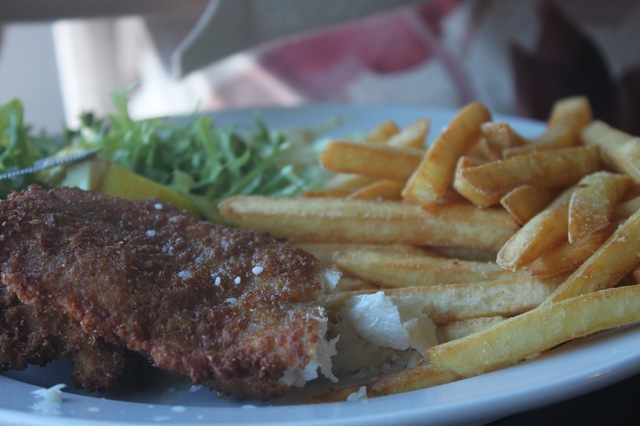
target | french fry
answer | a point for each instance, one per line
(543, 232)
(458, 329)
(335, 395)
(348, 182)
(376, 222)
(573, 111)
(635, 274)
(454, 302)
(594, 201)
(354, 284)
(481, 152)
(498, 137)
(632, 192)
(554, 138)
(325, 251)
(501, 136)
(435, 173)
(568, 117)
(388, 269)
(618, 256)
(421, 377)
(567, 257)
(383, 132)
(413, 136)
(619, 150)
(486, 184)
(626, 209)
(374, 160)
(449, 197)
(540, 329)
(405, 222)
(325, 193)
(380, 190)
(341, 185)
(526, 201)
(466, 162)
(465, 253)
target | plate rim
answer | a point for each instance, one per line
(480, 409)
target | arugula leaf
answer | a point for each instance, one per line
(197, 158)
(19, 147)
(193, 156)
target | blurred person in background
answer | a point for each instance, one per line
(516, 57)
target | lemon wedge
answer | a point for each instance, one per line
(101, 175)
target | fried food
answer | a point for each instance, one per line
(546, 169)
(22, 338)
(371, 222)
(232, 309)
(39, 336)
(535, 331)
(431, 179)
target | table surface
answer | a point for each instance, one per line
(617, 404)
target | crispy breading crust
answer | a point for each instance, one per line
(39, 336)
(25, 336)
(231, 309)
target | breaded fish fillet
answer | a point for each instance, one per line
(39, 336)
(27, 337)
(231, 309)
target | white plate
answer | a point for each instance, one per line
(575, 368)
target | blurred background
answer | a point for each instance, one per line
(62, 58)
(41, 90)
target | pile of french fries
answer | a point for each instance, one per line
(512, 245)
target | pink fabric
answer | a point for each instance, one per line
(447, 52)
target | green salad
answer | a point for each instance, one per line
(191, 155)
(20, 146)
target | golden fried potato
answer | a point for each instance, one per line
(435, 173)
(373, 160)
(594, 201)
(486, 184)
(372, 222)
(526, 335)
